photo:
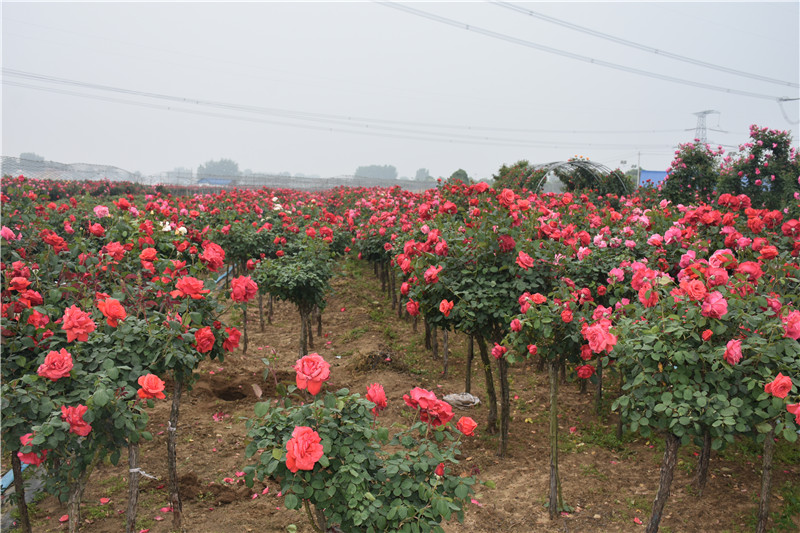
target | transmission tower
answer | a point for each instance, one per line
(700, 131)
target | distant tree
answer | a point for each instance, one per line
(517, 176)
(422, 175)
(386, 172)
(693, 174)
(459, 175)
(30, 156)
(223, 167)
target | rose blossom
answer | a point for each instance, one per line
(30, 458)
(74, 416)
(243, 289)
(303, 450)
(498, 351)
(585, 371)
(795, 410)
(524, 261)
(445, 307)
(466, 425)
(189, 286)
(112, 310)
(312, 371)
(413, 397)
(151, 387)
(78, 324)
(780, 386)
(213, 256)
(56, 365)
(204, 339)
(232, 340)
(733, 351)
(714, 305)
(598, 336)
(376, 395)
(791, 325)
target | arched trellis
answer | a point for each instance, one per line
(593, 169)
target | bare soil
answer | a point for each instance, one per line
(608, 485)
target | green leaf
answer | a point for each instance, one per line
(100, 398)
(261, 409)
(277, 453)
(790, 434)
(291, 501)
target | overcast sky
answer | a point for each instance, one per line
(324, 87)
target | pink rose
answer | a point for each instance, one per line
(467, 426)
(204, 339)
(376, 395)
(498, 351)
(56, 365)
(585, 371)
(524, 261)
(733, 352)
(151, 387)
(74, 416)
(243, 289)
(599, 337)
(714, 305)
(77, 323)
(780, 386)
(30, 458)
(791, 325)
(303, 450)
(445, 307)
(312, 371)
(412, 398)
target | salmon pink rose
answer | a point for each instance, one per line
(112, 310)
(151, 387)
(412, 308)
(499, 351)
(213, 256)
(435, 411)
(412, 398)
(312, 371)
(445, 307)
(78, 324)
(524, 261)
(599, 337)
(780, 386)
(585, 371)
(189, 286)
(303, 450)
(467, 426)
(791, 325)
(794, 408)
(232, 340)
(56, 365)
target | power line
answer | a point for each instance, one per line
(345, 119)
(367, 130)
(571, 55)
(625, 42)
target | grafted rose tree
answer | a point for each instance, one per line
(693, 174)
(551, 326)
(332, 457)
(696, 356)
(302, 279)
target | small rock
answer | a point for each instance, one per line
(596, 517)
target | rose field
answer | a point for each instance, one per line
(474, 357)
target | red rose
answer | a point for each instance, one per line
(56, 365)
(585, 371)
(506, 243)
(243, 289)
(439, 471)
(516, 325)
(376, 395)
(524, 261)
(204, 339)
(312, 371)
(412, 398)
(303, 450)
(791, 325)
(232, 340)
(648, 296)
(78, 324)
(707, 334)
(74, 416)
(112, 310)
(795, 410)
(714, 305)
(507, 197)
(780, 386)
(148, 254)
(694, 289)
(412, 308)
(533, 349)
(566, 315)
(151, 387)
(434, 411)
(97, 230)
(213, 256)
(498, 351)
(432, 274)
(466, 425)
(599, 338)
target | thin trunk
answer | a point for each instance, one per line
(172, 456)
(619, 419)
(392, 287)
(563, 371)
(427, 333)
(540, 363)
(505, 406)
(766, 481)
(244, 327)
(598, 393)
(303, 334)
(269, 316)
(667, 470)
(19, 489)
(435, 342)
(444, 352)
(702, 463)
(400, 307)
(319, 322)
(133, 487)
(261, 311)
(414, 326)
(375, 269)
(582, 386)
(310, 329)
(491, 422)
(468, 370)
(75, 495)
(553, 501)
(382, 272)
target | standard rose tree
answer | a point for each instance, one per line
(321, 451)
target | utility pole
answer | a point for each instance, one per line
(700, 131)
